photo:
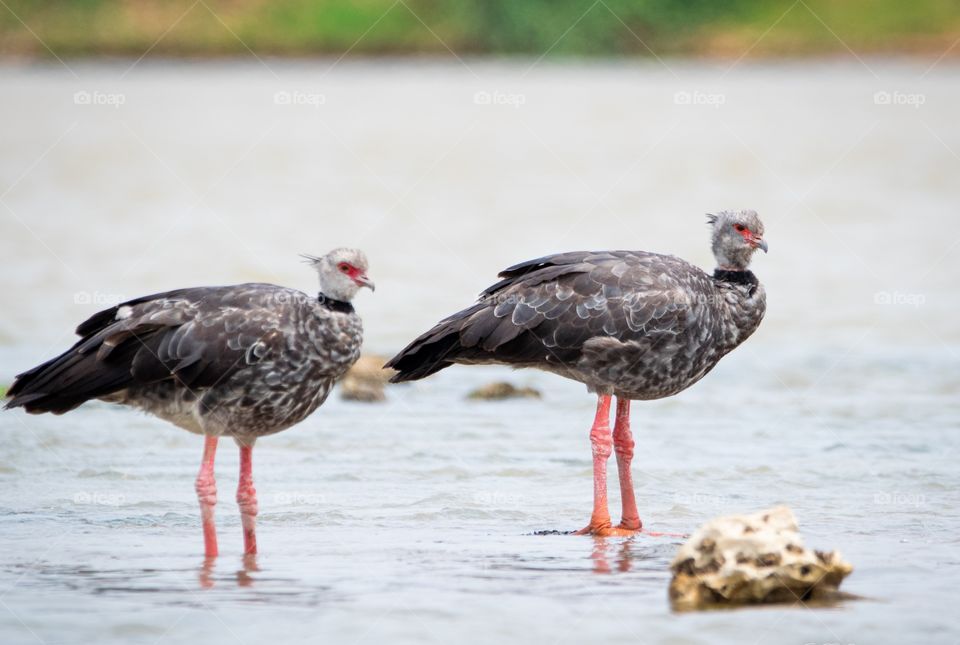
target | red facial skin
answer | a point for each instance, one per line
(355, 274)
(751, 238)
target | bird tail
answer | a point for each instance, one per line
(63, 383)
(447, 342)
(426, 355)
(102, 362)
(475, 335)
(75, 376)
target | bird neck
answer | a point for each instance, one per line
(332, 304)
(737, 276)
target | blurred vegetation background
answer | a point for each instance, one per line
(526, 27)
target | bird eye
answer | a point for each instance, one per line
(740, 228)
(344, 267)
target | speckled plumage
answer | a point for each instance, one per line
(240, 361)
(635, 324)
(270, 367)
(244, 360)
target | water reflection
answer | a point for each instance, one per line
(605, 550)
(207, 580)
(244, 579)
(205, 575)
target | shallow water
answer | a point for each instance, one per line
(414, 520)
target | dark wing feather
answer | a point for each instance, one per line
(546, 312)
(102, 319)
(195, 337)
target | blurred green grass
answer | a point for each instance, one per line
(524, 27)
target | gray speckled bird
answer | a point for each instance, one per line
(629, 324)
(241, 361)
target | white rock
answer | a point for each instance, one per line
(756, 558)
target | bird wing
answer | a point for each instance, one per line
(563, 301)
(548, 310)
(196, 337)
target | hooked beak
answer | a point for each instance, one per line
(364, 281)
(756, 241)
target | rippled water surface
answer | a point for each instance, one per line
(414, 520)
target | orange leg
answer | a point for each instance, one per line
(206, 486)
(623, 445)
(247, 500)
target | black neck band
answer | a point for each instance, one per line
(744, 277)
(334, 305)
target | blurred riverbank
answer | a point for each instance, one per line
(753, 28)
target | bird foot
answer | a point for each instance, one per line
(604, 529)
(682, 536)
(607, 531)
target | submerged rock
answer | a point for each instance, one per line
(365, 381)
(748, 559)
(501, 390)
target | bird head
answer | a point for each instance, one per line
(342, 273)
(736, 235)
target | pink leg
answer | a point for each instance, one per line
(247, 499)
(206, 486)
(623, 445)
(601, 444)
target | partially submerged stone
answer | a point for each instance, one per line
(365, 381)
(502, 390)
(749, 559)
